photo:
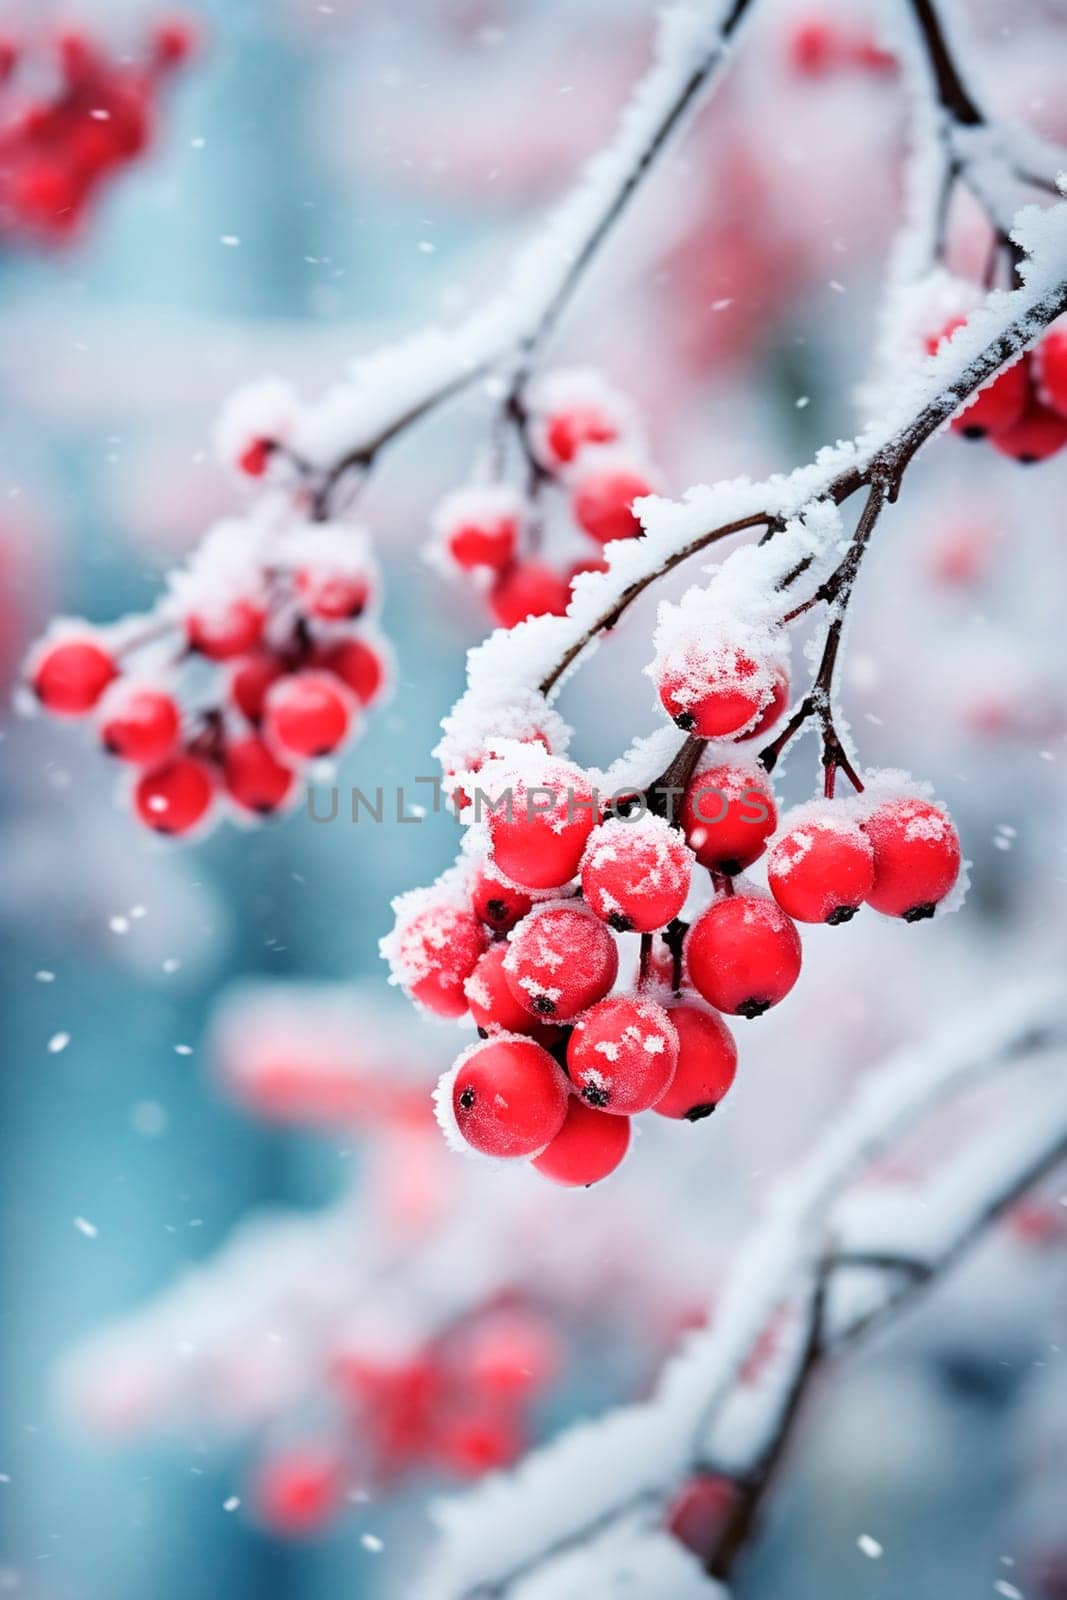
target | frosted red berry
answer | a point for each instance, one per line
(255, 457)
(916, 857)
(602, 503)
(635, 875)
(528, 589)
(542, 819)
(509, 1098)
(707, 1063)
(489, 540)
(306, 714)
(511, 1353)
(175, 797)
(359, 666)
(743, 954)
(475, 1439)
(434, 952)
(1038, 434)
(493, 1004)
(727, 814)
(70, 675)
(249, 681)
(295, 1493)
(560, 961)
(233, 630)
(699, 1512)
(1050, 370)
(821, 869)
(499, 905)
(331, 596)
(139, 723)
(588, 1147)
(714, 695)
(622, 1055)
(999, 405)
(571, 428)
(254, 779)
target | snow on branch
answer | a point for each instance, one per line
(566, 1498)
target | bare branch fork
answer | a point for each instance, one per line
(818, 1226)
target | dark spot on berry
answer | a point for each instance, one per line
(731, 867)
(467, 1098)
(317, 755)
(264, 809)
(110, 747)
(698, 1113)
(483, 1033)
(620, 923)
(1028, 461)
(920, 913)
(496, 910)
(594, 1096)
(841, 914)
(686, 721)
(753, 1008)
(356, 611)
(973, 431)
(544, 1005)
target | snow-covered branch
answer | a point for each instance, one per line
(705, 1414)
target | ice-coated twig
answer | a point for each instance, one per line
(626, 1466)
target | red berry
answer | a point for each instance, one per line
(332, 596)
(714, 692)
(571, 428)
(232, 631)
(602, 501)
(492, 1003)
(511, 1353)
(497, 904)
(478, 1439)
(815, 46)
(509, 1097)
(528, 590)
(1038, 434)
(622, 1055)
(255, 457)
(822, 869)
(588, 1147)
(743, 954)
(173, 40)
(916, 857)
(999, 405)
(434, 952)
(561, 960)
(306, 714)
(70, 675)
(249, 682)
(635, 875)
(542, 819)
(297, 1492)
(707, 1063)
(728, 813)
(489, 540)
(1050, 370)
(254, 778)
(358, 665)
(139, 724)
(774, 709)
(175, 797)
(698, 1514)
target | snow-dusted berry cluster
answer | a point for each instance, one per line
(580, 444)
(260, 658)
(532, 933)
(60, 147)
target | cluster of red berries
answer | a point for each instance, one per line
(526, 940)
(580, 438)
(59, 148)
(458, 1405)
(258, 662)
(1023, 412)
